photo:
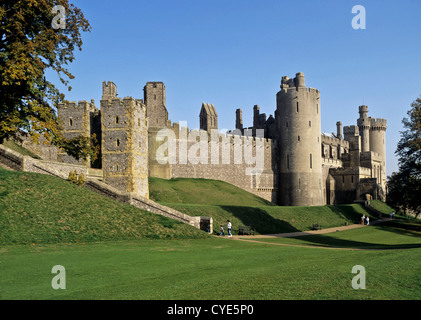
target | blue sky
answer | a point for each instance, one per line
(233, 54)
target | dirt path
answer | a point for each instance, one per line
(255, 238)
(307, 233)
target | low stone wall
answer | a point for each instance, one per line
(11, 159)
(57, 169)
(19, 162)
(145, 204)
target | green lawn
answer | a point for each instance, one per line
(385, 237)
(114, 251)
(217, 269)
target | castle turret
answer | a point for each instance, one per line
(378, 144)
(350, 131)
(339, 130)
(124, 129)
(76, 119)
(364, 123)
(256, 117)
(299, 131)
(239, 119)
(109, 90)
(155, 100)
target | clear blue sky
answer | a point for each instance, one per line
(233, 54)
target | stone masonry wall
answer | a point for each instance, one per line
(218, 163)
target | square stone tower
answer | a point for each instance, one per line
(154, 97)
(124, 127)
(76, 119)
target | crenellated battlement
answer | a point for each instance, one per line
(334, 140)
(378, 124)
(351, 131)
(109, 90)
(82, 105)
(228, 137)
(127, 102)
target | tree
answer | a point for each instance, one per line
(29, 45)
(405, 185)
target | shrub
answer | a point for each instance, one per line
(80, 180)
(72, 177)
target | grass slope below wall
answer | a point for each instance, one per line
(37, 208)
(223, 201)
(202, 191)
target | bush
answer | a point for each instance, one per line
(80, 180)
(72, 177)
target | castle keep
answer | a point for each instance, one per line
(285, 158)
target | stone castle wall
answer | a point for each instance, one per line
(300, 166)
(263, 184)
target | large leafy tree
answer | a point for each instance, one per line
(34, 38)
(405, 185)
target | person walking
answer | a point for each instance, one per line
(222, 231)
(368, 220)
(362, 219)
(229, 227)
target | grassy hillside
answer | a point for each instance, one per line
(36, 208)
(202, 191)
(222, 201)
(275, 219)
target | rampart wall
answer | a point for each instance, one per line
(246, 162)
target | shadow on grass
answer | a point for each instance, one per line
(259, 220)
(348, 212)
(331, 241)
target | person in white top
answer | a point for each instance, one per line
(229, 227)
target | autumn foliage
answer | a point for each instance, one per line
(29, 45)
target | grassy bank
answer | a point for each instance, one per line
(36, 208)
(222, 201)
(202, 191)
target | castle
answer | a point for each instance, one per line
(300, 165)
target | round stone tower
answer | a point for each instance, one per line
(299, 131)
(364, 126)
(378, 144)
